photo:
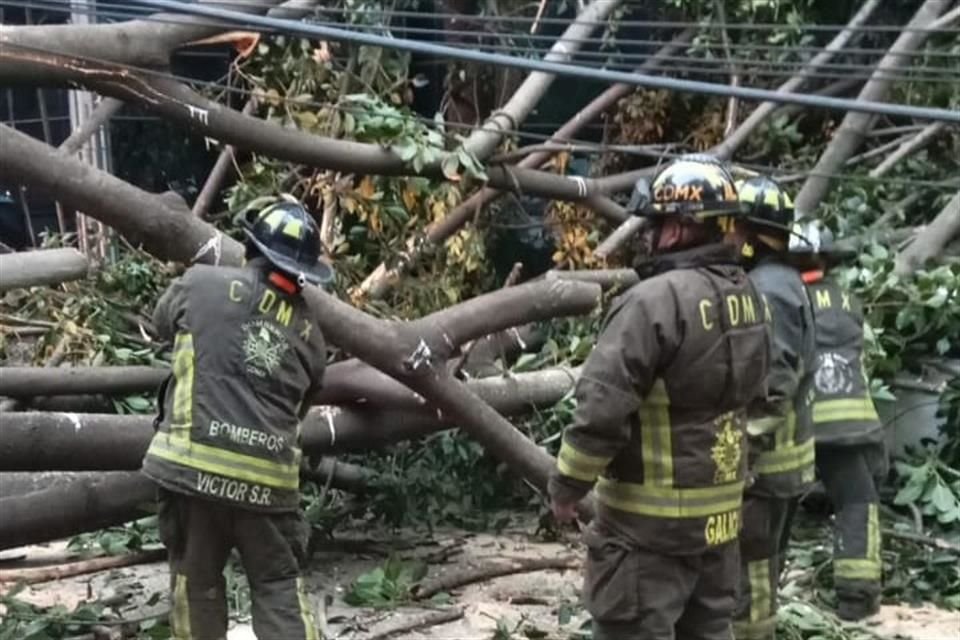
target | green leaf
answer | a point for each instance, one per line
(405, 150)
(943, 499)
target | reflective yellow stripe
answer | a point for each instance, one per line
(873, 534)
(856, 569)
(578, 465)
(227, 463)
(180, 619)
(759, 574)
(761, 426)
(668, 502)
(655, 437)
(306, 613)
(183, 359)
(786, 459)
(787, 432)
(844, 410)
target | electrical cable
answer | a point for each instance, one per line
(632, 60)
(700, 70)
(599, 148)
(64, 6)
(631, 57)
(260, 23)
(526, 22)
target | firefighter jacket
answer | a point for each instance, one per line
(843, 411)
(245, 355)
(781, 425)
(660, 419)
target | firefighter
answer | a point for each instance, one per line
(246, 354)
(780, 428)
(660, 421)
(851, 452)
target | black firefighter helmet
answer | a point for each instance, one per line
(766, 203)
(288, 237)
(695, 186)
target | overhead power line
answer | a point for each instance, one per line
(618, 61)
(583, 147)
(124, 10)
(263, 23)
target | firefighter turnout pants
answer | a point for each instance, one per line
(849, 476)
(199, 536)
(639, 594)
(766, 521)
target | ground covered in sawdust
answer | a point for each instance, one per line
(533, 605)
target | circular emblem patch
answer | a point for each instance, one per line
(834, 374)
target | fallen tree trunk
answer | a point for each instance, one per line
(41, 267)
(414, 353)
(35, 441)
(23, 382)
(66, 504)
(855, 126)
(86, 503)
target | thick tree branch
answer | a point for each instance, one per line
(413, 353)
(931, 240)
(146, 43)
(156, 222)
(178, 103)
(855, 126)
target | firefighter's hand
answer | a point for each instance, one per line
(564, 512)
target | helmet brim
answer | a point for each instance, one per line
(321, 273)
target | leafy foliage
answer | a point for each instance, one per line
(134, 536)
(386, 586)
(25, 621)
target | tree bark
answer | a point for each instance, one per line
(382, 279)
(38, 441)
(161, 223)
(735, 140)
(908, 148)
(606, 278)
(86, 503)
(41, 267)
(855, 126)
(21, 382)
(142, 43)
(931, 240)
(414, 353)
(71, 503)
(482, 142)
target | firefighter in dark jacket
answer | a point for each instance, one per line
(660, 422)
(780, 427)
(246, 354)
(851, 453)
